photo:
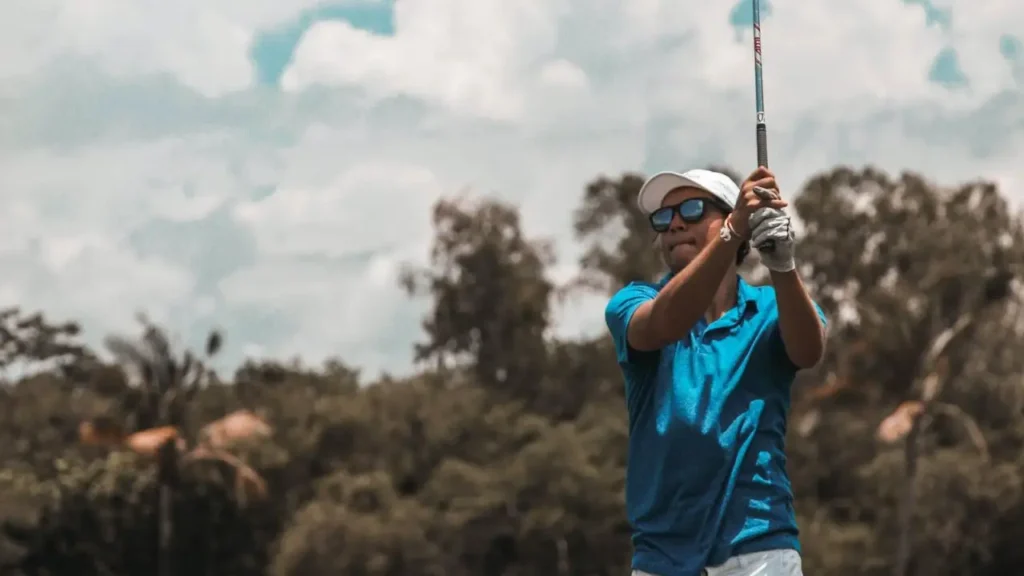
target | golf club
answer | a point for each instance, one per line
(762, 130)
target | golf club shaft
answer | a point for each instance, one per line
(762, 129)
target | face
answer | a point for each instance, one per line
(684, 238)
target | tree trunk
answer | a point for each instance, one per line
(904, 548)
(167, 474)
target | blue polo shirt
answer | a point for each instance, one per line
(706, 475)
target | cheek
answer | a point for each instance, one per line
(714, 229)
(709, 230)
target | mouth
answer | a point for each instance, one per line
(682, 242)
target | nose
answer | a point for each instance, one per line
(677, 222)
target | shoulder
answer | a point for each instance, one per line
(635, 290)
(618, 313)
(629, 296)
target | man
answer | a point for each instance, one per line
(708, 362)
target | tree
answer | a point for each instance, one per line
(491, 299)
(165, 383)
(359, 525)
(920, 273)
(906, 258)
(505, 453)
(30, 342)
(618, 240)
(102, 518)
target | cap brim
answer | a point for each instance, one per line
(653, 192)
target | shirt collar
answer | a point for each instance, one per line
(746, 296)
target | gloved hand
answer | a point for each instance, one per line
(773, 224)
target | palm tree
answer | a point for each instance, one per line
(908, 421)
(162, 386)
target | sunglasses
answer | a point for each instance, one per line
(690, 211)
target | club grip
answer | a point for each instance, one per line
(762, 145)
(762, 160)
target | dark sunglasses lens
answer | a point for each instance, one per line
(692, 210)
(661, 219)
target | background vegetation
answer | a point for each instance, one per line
(505, 455)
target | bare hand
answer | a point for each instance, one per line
(759, 190)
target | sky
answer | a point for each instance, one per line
(268, 167)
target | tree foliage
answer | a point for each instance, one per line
(491, 299)
(505, 454)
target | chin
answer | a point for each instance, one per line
(684, 254)
(678, 262)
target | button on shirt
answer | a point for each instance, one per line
(706, 475)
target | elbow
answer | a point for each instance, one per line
(808, 354)
(805, 361)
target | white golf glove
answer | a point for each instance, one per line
(771, 224)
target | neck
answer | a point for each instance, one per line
(725, 298)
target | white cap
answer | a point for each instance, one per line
(653, 192)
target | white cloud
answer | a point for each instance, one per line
(975, 32)
(203, 44)
(364, 210)
(564, 74)
(92, 280)
(141, 169)
(470, 56)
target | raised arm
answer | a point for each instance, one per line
(800, 323)
(683, 301)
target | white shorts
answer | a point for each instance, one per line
(769, 563)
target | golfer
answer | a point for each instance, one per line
(708, 362)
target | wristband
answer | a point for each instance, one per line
(728, 231)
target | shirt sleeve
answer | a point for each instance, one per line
(619, 312)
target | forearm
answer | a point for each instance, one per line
(687, 296)
(799, 324)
